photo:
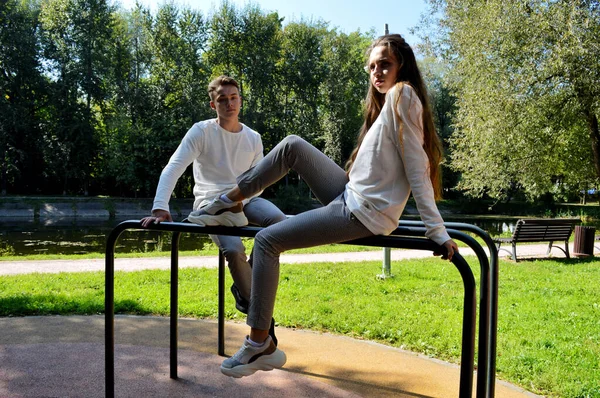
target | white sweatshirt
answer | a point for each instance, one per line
(218, 157)
(385, 170)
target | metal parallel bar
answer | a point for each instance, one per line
(221, 313)
(174, 332)
(109, 308)
(248, 231)
(492, 330)
(109, 320)
(492, 334)
(468, 332)
(484, 311)
(469, 314)
(484, 299)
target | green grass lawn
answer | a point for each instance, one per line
(209, 249)
(549, 310)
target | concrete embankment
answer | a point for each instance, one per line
(49, 207)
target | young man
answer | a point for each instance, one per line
(220, 149)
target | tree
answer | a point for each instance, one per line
(94, 99)
(177, 80)
(261, 46)
(128, 102)
(343, 90)
(23, 94)
(526, 77)
(443, 106)
(246, 44)
(76, 35)
(302, 71)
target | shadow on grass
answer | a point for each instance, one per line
(561, 260)
(63, 304)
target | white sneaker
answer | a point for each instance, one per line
(249, 359)
(218, 212)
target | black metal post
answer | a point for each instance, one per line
(174, 331)
(484, 314)
(468, 331)
(221, 313)
(109, 309)
(486, 380)
(469, 313)
(109, 319)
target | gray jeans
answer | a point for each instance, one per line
(259, 212)
(329, 224)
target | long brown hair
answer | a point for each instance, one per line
(408, 74)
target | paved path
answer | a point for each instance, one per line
(64, 357)
(136, 264)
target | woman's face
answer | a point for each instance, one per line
(383, 68)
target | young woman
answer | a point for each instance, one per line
(398, 151)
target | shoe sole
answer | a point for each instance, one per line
(267, 362)
(227, 219)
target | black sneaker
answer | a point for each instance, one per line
(272, 331)
(240, 303)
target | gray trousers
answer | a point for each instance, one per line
(332, 223)
(259, 212)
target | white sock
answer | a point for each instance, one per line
(254, 343)
(225, 199)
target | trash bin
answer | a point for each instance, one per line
(584, 241)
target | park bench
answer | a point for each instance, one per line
(540, 230)
(411, 235)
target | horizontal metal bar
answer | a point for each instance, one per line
(405, 237)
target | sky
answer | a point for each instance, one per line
(347, 15)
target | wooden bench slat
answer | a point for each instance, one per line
(541, 230)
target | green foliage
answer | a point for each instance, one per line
(246, 44)
(96, 98)
(302, 70)
(443, 106)
(343, 93)
(294, 199)
(526, 77)
(75, 35)
(23, 92)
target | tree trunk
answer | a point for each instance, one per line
(4, 173)
(592, 120)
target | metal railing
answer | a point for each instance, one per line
(488, 307)
(409, 235)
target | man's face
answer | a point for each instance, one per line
(227, 102)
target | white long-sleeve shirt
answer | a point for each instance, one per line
(219, 157)
(386, 170)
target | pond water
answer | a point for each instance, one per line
(81, 235)
(78, 235)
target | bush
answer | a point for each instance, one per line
(294, 199)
